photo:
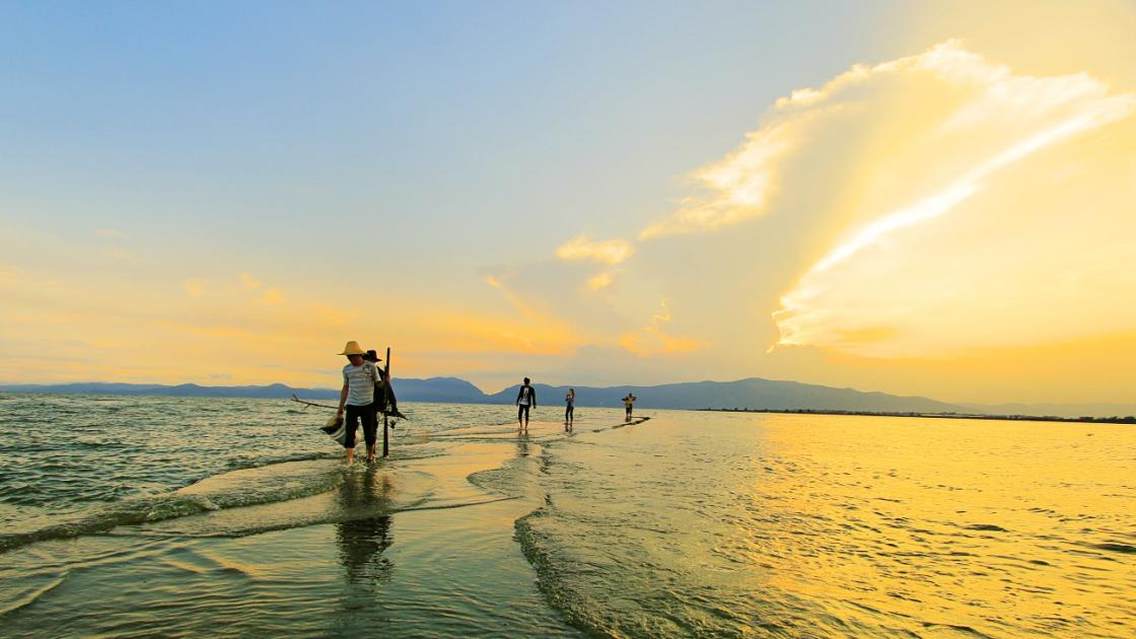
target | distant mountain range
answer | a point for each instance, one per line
(755, 393)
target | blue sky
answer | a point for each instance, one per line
(270, 122)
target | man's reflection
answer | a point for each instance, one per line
(365, 532)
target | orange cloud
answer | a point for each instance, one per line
(272, 296)
(600, 281)
(652, 339)
(194, 287)
(249, 281)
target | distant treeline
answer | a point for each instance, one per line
(1025, 418)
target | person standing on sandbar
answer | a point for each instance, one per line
(358, 396)
(526, 399)
(569, 409)
(629, 404)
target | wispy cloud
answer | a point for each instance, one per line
(986, 121)
(654, 339)
(600, 281)
(537, 331)
(250, 282)
(120, 255)
(583, 248)
(736, 188)
(272, 296)
(194, 287)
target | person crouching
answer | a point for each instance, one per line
(357, 396)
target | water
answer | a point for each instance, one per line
(159, 516)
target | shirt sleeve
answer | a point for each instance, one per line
(345, 376)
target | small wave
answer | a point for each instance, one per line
(246, 487)
(986, 527)
(34, 595)
(957, 628)
(1115, 547)
(242, 462)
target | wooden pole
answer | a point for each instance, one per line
(305, 403)
(386, 394)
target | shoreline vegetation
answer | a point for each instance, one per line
(1086, 419)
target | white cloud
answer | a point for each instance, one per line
(737, 187)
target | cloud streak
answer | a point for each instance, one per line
(736, 188)
(654, 339)
(583, 248)
(993, 121)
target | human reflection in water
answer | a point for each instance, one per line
(364, 533)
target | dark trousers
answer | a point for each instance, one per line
(365, 414)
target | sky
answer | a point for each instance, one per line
(933, 198)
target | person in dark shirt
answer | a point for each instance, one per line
(569, 409)
(526, 399)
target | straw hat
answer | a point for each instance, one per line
(353, 348)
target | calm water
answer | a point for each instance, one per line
(159, 516)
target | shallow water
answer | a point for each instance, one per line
(835, 526)
(157, 516)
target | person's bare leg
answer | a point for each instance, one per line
(350, 455)
(371, 454)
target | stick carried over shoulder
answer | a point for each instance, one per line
(389, 402)
(386, 402)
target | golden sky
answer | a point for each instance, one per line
(950, 214)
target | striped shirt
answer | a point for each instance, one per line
(360, 382)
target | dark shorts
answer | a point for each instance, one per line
(367, 415)
(522, 410)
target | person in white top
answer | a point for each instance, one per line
(526, 398)
(357, 396)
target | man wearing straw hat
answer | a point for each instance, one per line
(358, 395)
